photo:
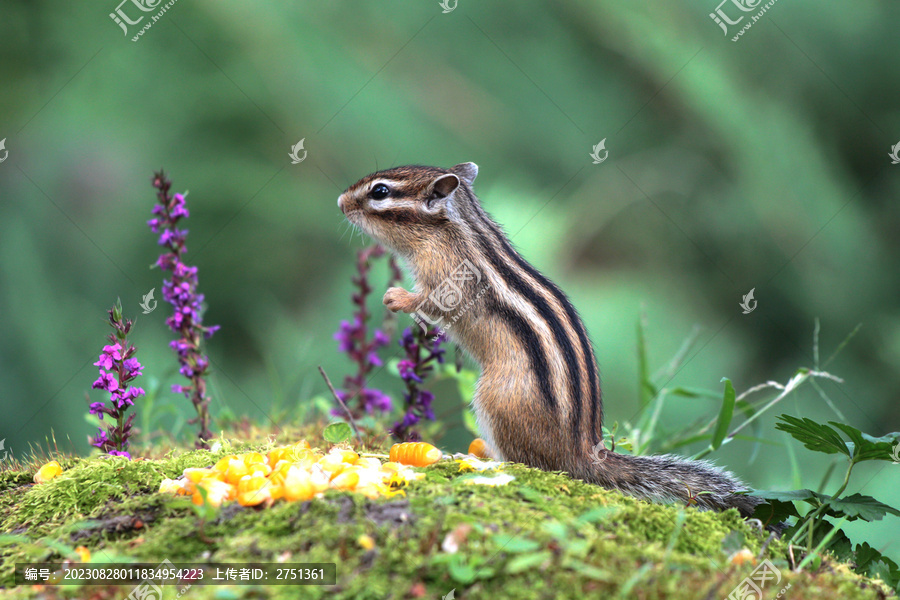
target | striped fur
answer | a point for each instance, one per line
(538, 400)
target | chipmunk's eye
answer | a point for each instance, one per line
(379, 192)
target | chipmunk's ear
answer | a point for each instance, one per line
(442, 189)
(466, 171)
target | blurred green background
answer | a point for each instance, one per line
(757, 164)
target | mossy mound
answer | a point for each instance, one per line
(541, 536)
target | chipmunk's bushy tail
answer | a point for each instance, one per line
(670, 479)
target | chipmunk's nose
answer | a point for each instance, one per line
(340, 202)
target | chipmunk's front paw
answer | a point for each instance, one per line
(398, 299)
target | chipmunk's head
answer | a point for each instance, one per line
(407, 207)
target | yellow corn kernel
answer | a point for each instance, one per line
(298, 485)
(415, 454)
(478, 448)
(235, 470)
(365, 542)
(195, 474)
(217, 491)
(253, 458)
(171, 486)
(47, 472)
(333, 464)
(276, 455)
(263, 468)
(742, 557)
(346, 480)
(223, 463)
(253, 489)
(368, 463)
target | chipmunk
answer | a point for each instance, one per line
(538, 399)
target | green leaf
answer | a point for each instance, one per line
(460, 570)
(527, 561)
(337, 433)
(588, 570)
(645, 387)
(791, 496)
(693, 393)
(857, 506)
(779, 506)
(866, 555)
(815, 436)
(725, 415)
(866, 447)
(872, 563)
(598, 514)
(515, 544)
(556, 529)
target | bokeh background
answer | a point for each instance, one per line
(761, 163)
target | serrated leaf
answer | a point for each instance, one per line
(866, 447)
(865, 554)
(790, 496)
(337, 433)
(815, 436)
(725, 415)
(775, 511)
(857, 506)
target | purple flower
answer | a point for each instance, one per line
(353, 340)
(106, 381)
(133, 367)
(422, 351)
(425, 400)
(380, 338)
(98, 408)
(181, 292)
(373, 400)
(407, 370)
(344, 336)
(101, 440)
(117, 367)
(119, 453)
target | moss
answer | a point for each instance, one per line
(542, 536)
